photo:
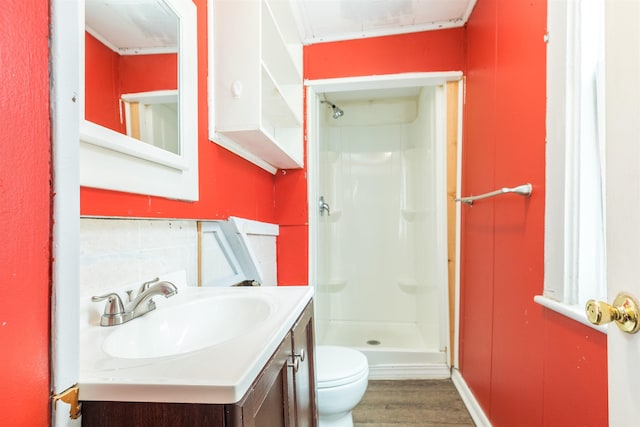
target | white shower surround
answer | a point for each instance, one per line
(385, 274)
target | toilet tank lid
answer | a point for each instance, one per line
(340, 364)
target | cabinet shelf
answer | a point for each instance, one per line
(258, 83)
(283, 16)
(275, 51)
(261, 143)
(279, 101)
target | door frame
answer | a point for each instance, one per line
(448, 331)
(65, 136)
(455, 99)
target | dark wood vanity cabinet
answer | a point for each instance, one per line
(282, 395)
(303, 345)
(270, 400)
(285, 392)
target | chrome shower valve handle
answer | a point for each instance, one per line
(324, 207)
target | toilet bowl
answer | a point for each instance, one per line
(342, 376)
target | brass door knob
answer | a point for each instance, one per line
(624, 312)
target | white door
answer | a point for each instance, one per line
(622, 59)
(65, 117)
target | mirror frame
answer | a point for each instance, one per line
(113, 161)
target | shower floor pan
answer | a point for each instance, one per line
(393, 350)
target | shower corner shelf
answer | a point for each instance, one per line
(415, 214)
(333, 286)
(412, 287)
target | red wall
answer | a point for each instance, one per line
(25, 213)
(292, 214)
(102, 85)
(441, 50)
(428, 51)
(525, 365)
(229, 185)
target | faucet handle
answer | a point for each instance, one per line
(114, 303)
(114, 313)
(145, 285)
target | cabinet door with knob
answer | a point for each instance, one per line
(270, 400)
(258, 89)
(303, 354)
(284, 395)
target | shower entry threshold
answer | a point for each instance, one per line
(395, 350)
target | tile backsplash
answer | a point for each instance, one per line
(120, 252)
(116, 252)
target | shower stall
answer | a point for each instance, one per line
(378, 235)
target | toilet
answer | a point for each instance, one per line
(341, 376)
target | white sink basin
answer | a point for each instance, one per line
(203, 345)
(187, 327)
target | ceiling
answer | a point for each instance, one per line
(153, 25)
(133, 26)
(331, 20)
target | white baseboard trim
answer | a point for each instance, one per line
(409, 372)
(476, 412)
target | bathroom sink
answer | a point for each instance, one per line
(203, 345)
(189, 326)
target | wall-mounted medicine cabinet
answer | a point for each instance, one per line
(256, 90)
(138, 125)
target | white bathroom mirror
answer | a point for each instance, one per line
(138, 130)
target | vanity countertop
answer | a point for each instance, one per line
(221, 373)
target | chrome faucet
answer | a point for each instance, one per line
(115, 312)
(324, 207)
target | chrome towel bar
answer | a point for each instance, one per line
(522, 190)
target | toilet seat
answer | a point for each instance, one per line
(336, 366)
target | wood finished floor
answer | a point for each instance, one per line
(425, 403)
